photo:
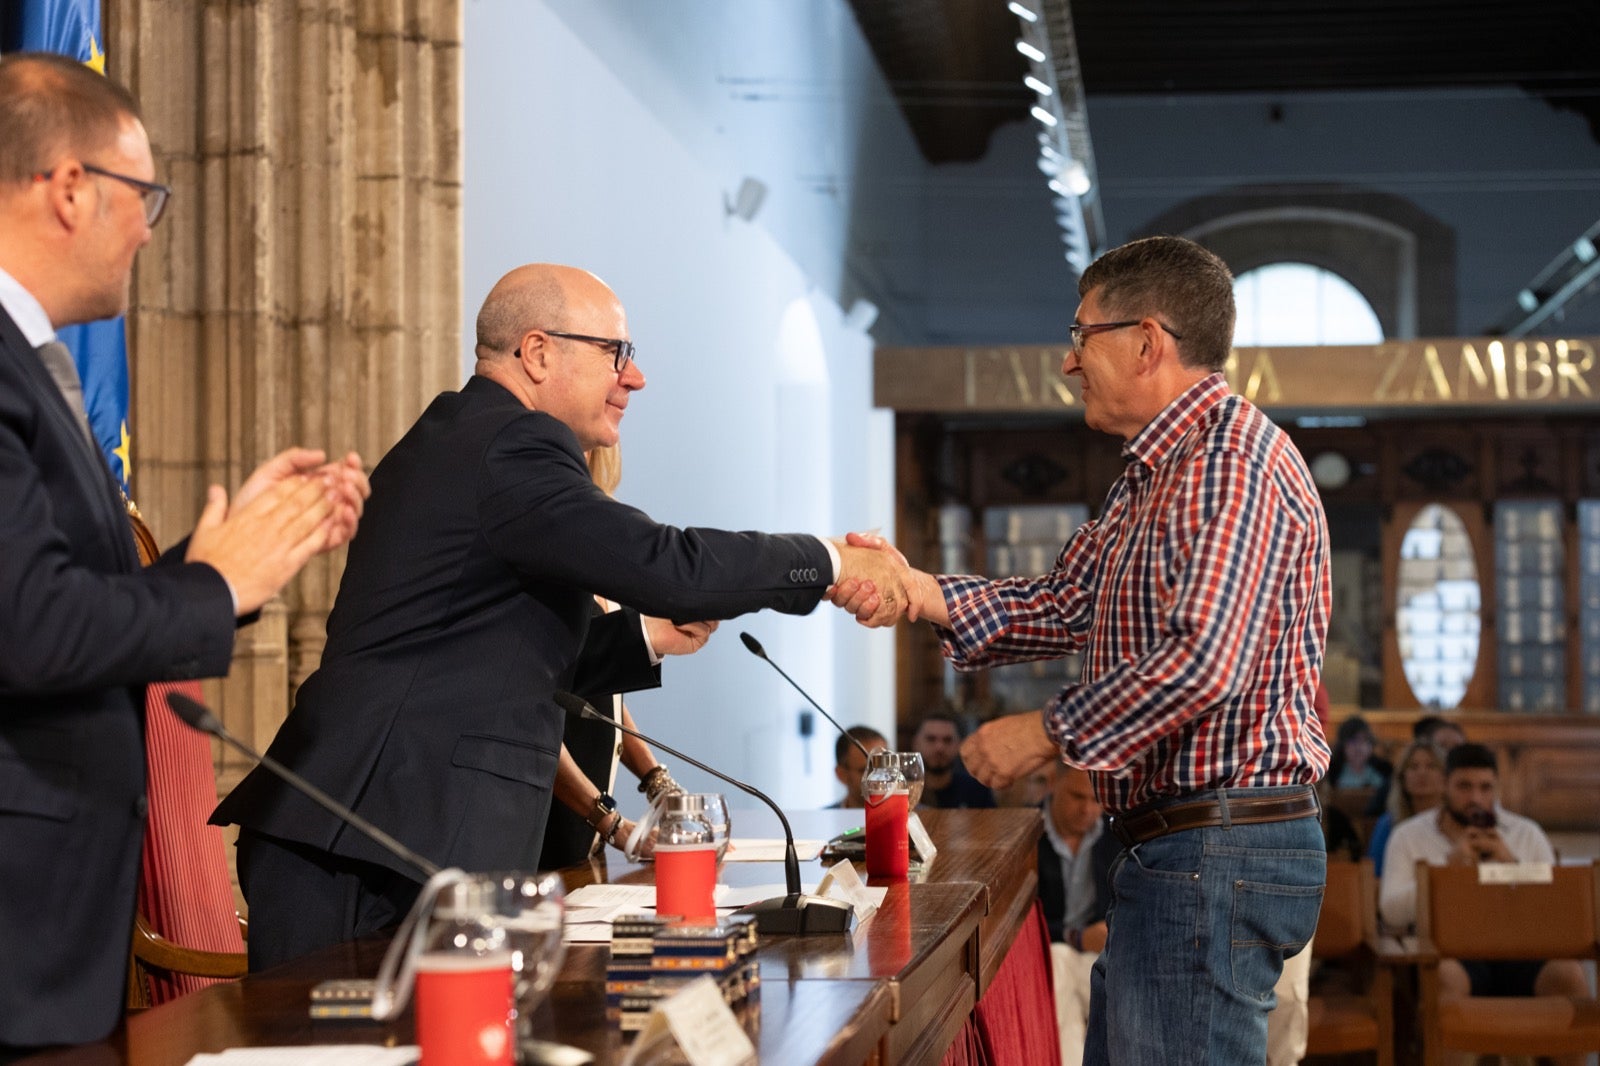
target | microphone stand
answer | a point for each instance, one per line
(796, 912)
(759, 652)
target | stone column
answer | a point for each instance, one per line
(305, 285)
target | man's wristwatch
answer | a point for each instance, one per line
(603, 808)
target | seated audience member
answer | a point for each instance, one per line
(1418, 786)
(1442, 733)
(849, 764)
(1075, 855)
(1354, 764)
(947, 784)
(1339, 835)
(1471, 827)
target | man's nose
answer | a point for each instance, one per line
(631, 377)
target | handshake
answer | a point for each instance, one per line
(879, 587)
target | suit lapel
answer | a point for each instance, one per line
(94, 475)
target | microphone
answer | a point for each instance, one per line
(796, 912)
(761, 653)
(196, 716)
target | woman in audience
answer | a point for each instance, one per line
(1418, 786)
(1354, 766)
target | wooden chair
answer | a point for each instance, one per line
(1360, 1018)
(187, 933)
(1459, 918)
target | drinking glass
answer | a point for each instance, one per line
(912, 770)
(532, 910)
(713, 807)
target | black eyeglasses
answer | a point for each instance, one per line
(1089, 329)
(154, 196)
(621, 350)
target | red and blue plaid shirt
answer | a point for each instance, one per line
(1200, 600)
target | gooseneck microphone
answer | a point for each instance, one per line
(195, 715)
(761, 653)
(796, 912)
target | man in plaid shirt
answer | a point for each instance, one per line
(1200, 600)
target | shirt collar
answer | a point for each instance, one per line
(1152, 443)
(25, 310)
(1061, 846)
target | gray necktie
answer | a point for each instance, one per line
(57, 359)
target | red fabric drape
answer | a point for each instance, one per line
(966, 1049)
(184, 888)
(1016, 1018)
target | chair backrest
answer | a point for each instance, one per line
(1466, 919)
(1348, 915)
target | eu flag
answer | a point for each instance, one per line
(72, 28)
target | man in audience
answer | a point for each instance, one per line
(1075, 855)
(83, 629)
(849, 764)
(947, 783)
(1468, 828)
(467, 602)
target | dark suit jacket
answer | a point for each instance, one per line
(1053, 894)
(82, 629)
(465, 602)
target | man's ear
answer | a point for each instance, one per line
(67, 192)
(534, 352)
(838, 772)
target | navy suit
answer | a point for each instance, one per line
(466, 602)
(82, 630)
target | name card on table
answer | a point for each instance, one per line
(1514, 873)
(841, 882)
(701, 1023)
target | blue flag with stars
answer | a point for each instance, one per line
(72, 28)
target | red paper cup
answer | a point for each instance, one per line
(888, 845)
(464, 1009)
(686, 877)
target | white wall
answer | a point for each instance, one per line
(606, 135)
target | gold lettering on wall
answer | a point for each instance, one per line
(1478, 371)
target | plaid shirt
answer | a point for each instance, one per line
(1200, 600)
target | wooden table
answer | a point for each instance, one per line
(897, 991)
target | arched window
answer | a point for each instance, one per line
(1297, 303)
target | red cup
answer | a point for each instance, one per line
(888, 840)
(464, 1009)
(686, 877)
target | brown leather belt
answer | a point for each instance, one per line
(1140, 825)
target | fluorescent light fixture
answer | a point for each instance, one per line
(1050, 164)
(1077, 179)
(1059, 187)
(1042, 115)
(1038, 86)
(1527, 300)
(1584, 249)
(1022, 12)
(1030, 51)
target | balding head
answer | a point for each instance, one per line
(546, 333)
(52, 106)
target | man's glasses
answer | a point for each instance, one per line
(1089, 329)
(154, 196)
(621, 350)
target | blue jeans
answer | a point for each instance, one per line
(1200, 923)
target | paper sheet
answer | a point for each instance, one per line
(323, 1055)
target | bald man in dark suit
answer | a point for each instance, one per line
(467, 601)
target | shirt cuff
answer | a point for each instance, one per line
(833, 557)
(650, 649)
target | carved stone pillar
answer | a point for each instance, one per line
(305, 285)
